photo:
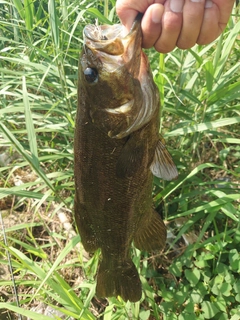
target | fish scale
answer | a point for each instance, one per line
(116, 148)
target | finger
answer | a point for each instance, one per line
(127, 10)
(171, 26)
(215, 19)
(193, 13)
(126, 13)
(209, 29)
(151, 24)
(225, 9)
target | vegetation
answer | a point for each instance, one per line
(198, 274)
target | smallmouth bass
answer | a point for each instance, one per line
(117, 149)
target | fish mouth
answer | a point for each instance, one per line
(108, 41)
(118, 54)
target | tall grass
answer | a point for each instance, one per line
(198, 274)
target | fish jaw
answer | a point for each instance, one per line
(113, 48)
(124, 98)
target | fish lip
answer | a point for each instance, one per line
(112, 39)
(99, 33)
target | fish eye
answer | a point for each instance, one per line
(91, 75)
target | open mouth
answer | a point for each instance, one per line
(113, 40)
(104, 33)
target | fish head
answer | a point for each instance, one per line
(112, 66)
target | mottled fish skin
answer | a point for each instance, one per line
(116, 144)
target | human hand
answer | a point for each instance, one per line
(182, 23)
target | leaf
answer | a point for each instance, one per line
(209, 74)
(24, 312)
(176, 268)
(236, 287)
(19, 6)
(144, 314)
(180, 296)
(108, 312)
(54, 22)
(161, 80)
(226, 49)
(201, 263)
(228, 140)
(225, 289)
(196, 297)
(229, 90)
(72, 243)
(234, 259)
(235, 316)
(29, 125)
(24, 153)
(223, 316)
(222, 289)
(203, 126)
(209, 309)
(97, 14)
(193, 276)
(28, 6)
(60, 290)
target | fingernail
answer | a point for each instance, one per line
(156, 15)
(196, 0)
(176, 5)
(208, 4)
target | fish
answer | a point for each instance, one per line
(117, 150)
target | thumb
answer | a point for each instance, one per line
(127, 11)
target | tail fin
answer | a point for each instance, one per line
(151, 235)
(122, 280)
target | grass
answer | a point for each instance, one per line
(197, 276)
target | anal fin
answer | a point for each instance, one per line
(151, 234)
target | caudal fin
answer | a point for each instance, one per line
(151, 234)
(123, 280)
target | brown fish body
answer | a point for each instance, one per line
(116, 143)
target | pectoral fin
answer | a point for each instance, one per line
(163, 165)
(131, 157)
(151, 234)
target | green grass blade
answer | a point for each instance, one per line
(204, 126)
(25, 154)
(160, 83)
(20, 9)
(62, 294)
(54, 22)
(231, 91)
(29, 125)
(24, 312)
(209, 75)
(18, 192)
(72, 243)
(226, 49)
(97, 14)
(28, 7)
